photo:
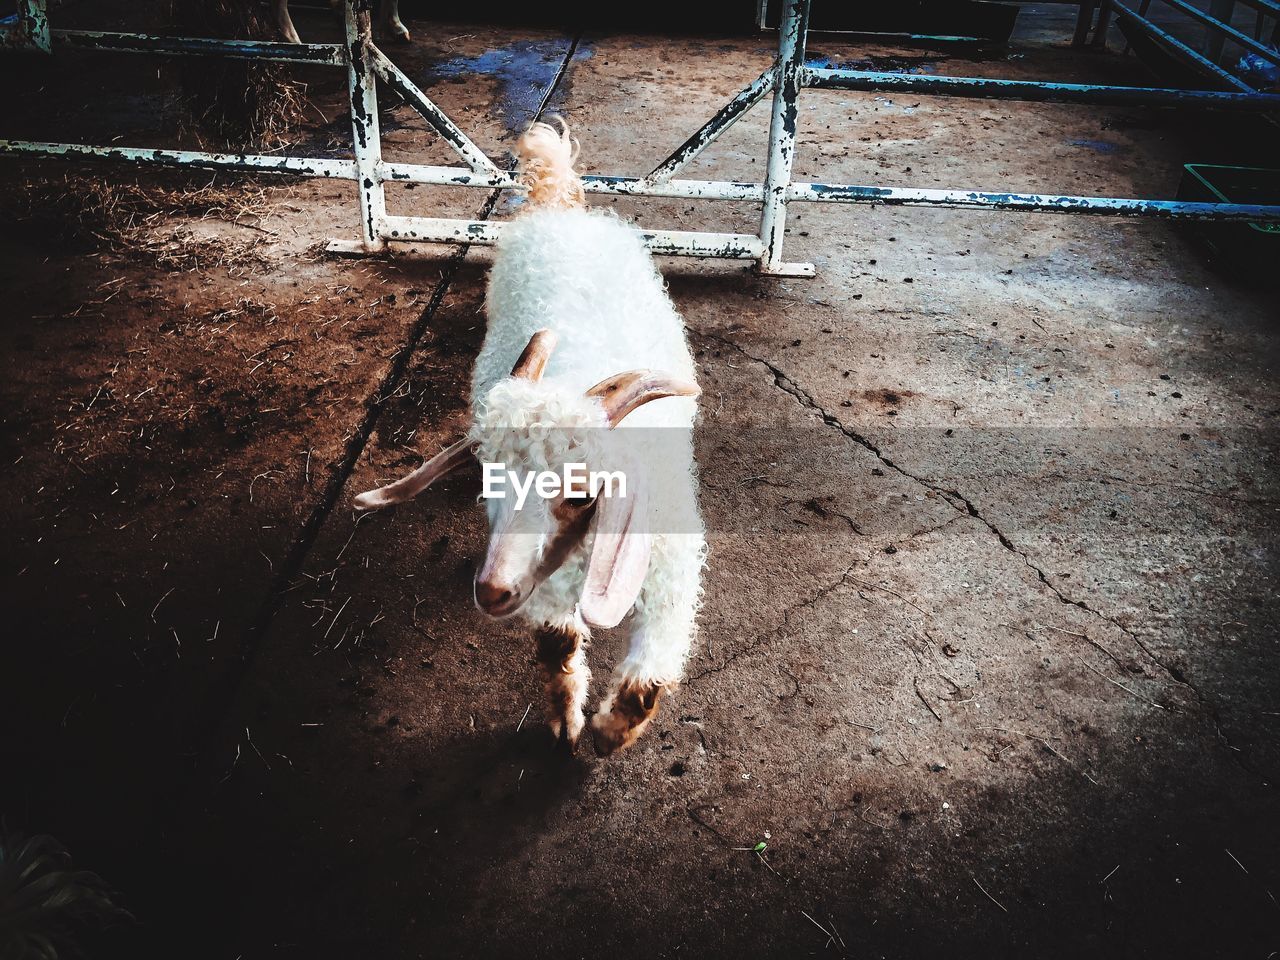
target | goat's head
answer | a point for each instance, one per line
(526, 428)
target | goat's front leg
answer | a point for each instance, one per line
(653, 665)
(625, 713)
(562, 661)
(661, 637)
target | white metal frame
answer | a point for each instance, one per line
(784, 79)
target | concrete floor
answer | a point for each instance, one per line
(987, 658)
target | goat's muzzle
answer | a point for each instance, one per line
(498, 599)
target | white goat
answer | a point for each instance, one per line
(584, 280)
(388, 20)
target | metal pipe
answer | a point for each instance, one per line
(782, 135)
(395, 78)
(848, 193)
(390, 172)
(688, 243)
(1032, 202)
(487, 232)
(1177, 48)
(688, 189)
(614, 186)
(413, 227)
(150, 157)
(726, 117)
(365, 137)
(1038, 90)
(326, 54)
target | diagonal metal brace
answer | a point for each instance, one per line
(726, 117)
(396, 79)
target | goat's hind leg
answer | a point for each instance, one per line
(285, 22)
(562, 661)
(391, 23)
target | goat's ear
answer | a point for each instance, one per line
(406, 488)
(623, 392)
(535, 356)
(619, 559)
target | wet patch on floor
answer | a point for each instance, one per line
(522, 70)
(1097, 146)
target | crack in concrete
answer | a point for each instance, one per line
(762, 638)
(958, 501)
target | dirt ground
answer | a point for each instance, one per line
(987, 660)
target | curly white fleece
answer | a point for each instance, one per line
(587, 276)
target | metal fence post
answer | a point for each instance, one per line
(1104, 24)
(33, 21)
(792, 33)
(1214, 41)
(365, 136)
(1084, 20)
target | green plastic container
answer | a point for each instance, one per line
(1251, 249)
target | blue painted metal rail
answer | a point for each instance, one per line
(1039, 91)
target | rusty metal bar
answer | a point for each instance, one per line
(782, 140)
(324, 54)
(617, 186)
(736, 246)
(190, 159)
(391, 172)
(365, 136)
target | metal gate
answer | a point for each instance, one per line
(783, 81)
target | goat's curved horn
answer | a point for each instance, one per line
(623, 392)
(407, 487)
(534, 359)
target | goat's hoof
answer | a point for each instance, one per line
(624, 716)
(401, 36)
(566, 745)
(607, 736)
(566, 733)
(604, 747)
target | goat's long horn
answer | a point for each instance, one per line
(534, 359)
(442, 464)
(623, 392)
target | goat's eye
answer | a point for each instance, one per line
(574, 506)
